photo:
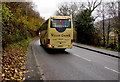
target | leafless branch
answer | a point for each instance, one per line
(93, 4)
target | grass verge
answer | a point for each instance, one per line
(14, 60)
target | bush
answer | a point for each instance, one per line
(112, 46)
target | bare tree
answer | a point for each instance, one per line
(63, 10)
(109, 8)
(93, 4)
(103, 16)
(73, 8)
(119, 24)
(101, 13)
(108, 31)
(114, 14)
(110, 17)
(69, 9)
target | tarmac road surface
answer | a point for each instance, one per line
(74, 64)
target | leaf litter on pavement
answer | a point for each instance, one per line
(13, 64)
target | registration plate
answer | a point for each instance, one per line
(60, 46)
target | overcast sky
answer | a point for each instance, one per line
(47, 8)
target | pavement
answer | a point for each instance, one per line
(98, 50)
(32, 66)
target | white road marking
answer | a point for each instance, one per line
(82, 57)
(111, 69)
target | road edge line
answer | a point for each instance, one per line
(111, 69)
(39, 68)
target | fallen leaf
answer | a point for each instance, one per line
(3, 75)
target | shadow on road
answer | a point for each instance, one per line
(54, 51)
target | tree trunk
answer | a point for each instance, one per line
(108, 31)
(103, 32)
(119, 42)
(119, 26)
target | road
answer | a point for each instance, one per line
(75, 64)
